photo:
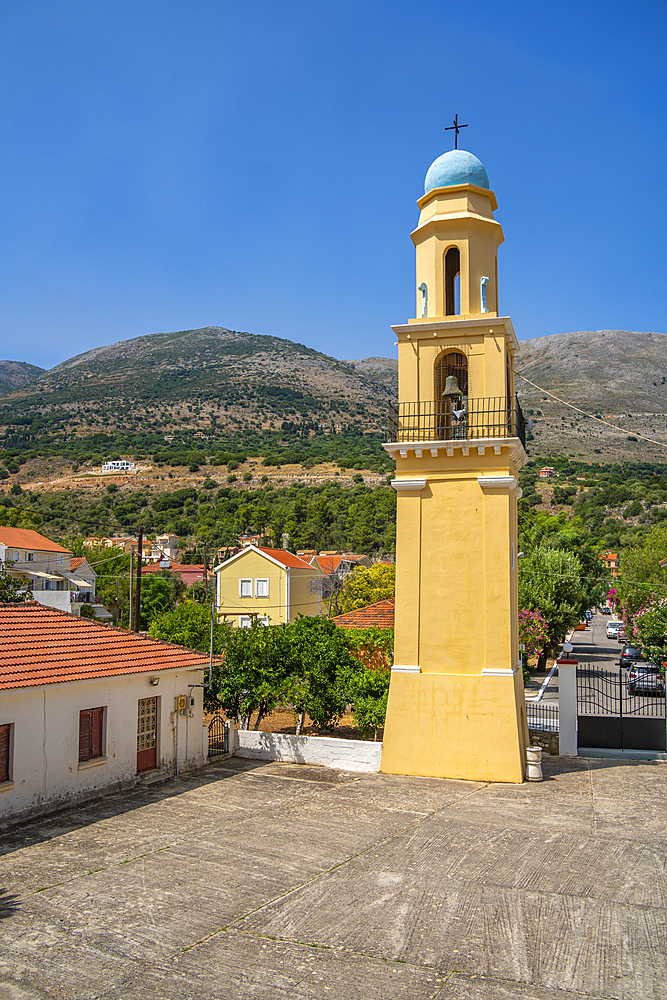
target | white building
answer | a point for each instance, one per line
(83, 579)
(118, 466)
(85, 709)
(42, 564)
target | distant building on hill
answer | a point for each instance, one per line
(118, 466)
(610, 560)
(547, 472)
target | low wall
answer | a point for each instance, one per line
(348, 755)
(548, 741)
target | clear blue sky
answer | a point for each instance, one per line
(180, 163)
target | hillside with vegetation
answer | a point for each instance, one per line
(196, 393)
(15, 374)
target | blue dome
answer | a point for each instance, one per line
(456, 167)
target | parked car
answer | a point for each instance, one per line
(613, 628)
(629, 655)
(605, 611)
(645, 678)
(620, 636)
(589, 615)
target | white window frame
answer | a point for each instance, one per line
(246, 580)
(17, 555)
(245, 621)
(60, 560)
(30, 557)
(262, 580)
(264, 620)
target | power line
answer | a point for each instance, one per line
(592, 416)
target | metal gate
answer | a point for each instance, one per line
(218, 737)
(610, 717)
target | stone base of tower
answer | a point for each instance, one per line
(469, 726)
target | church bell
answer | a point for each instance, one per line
(451, 387)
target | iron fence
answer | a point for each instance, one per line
(542, 716)
(464, 419)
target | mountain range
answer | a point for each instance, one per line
(217, 380)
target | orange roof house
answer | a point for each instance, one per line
(26, 538)
(101, 705)
(610, 560)
(380, 614)
(268, 585)
(41, 564)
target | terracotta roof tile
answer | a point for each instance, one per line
(328, 564)
(283, 556)
(40, 645)
(77, 561)
(26, 538)
(380, 614)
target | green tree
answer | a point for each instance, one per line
(10, 588)
(367, 585)
(650, 630)
(320, 667)
(159, 592)
(253, 676)
(368, 692)
(550, 582)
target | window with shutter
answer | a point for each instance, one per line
(5, 743)
(91, 726)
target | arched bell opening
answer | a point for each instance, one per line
(451, 396)
(453, 282)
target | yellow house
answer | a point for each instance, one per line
(456, 702)
(272, 585)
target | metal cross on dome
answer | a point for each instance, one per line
(456, 128)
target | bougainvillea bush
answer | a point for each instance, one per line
(650, 630)
(533, 634)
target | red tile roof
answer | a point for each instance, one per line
(328, 564)
(40, 645)
(282, 556)
(26, 538)
(380, 614)
(76, 561)
(174, 567)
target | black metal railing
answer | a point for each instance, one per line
(542, 716)
(465, 419)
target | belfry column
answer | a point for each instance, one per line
(456, 702)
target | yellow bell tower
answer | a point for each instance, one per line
(456, 701)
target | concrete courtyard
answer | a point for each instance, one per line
(252, 880)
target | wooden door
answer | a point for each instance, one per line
(147, 734)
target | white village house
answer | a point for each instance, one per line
(85, 708)
(49, 571)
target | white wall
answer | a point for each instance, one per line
(348, 755)
(59, 599)
(45, 755)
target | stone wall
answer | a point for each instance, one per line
(348, 755)
(548, 741)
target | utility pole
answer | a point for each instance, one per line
(137, 589)
(130, 605)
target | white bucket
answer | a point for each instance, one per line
(534, 764)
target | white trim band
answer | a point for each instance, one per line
(400, 669)
(497, 482)
(498, 671)
(408, 484)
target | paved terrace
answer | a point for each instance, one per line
(269, 881)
